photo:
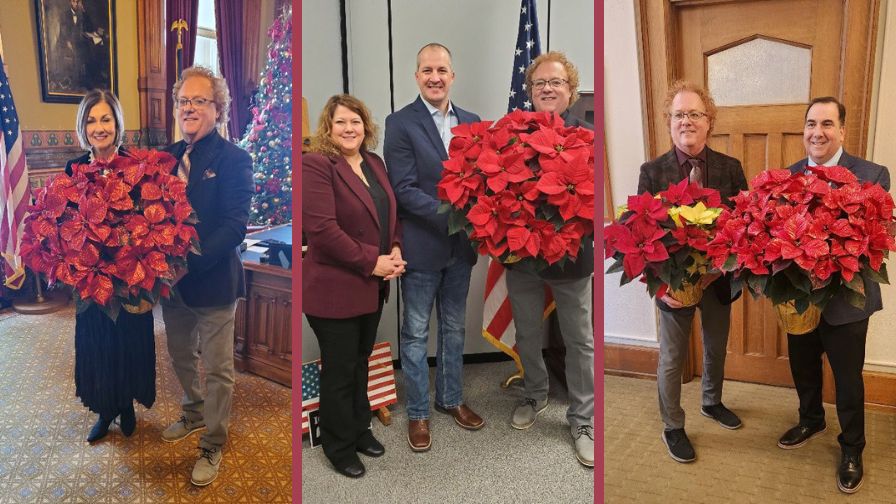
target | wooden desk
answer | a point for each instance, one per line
(262, 342)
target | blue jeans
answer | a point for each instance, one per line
(447, 288)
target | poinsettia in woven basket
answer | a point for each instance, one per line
(662, 239)
(117, 232)
(521, 188)
(800, 239)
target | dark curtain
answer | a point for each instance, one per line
(187, 10)
(229, 28)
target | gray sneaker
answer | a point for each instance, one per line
(525, 414)
(206, 469)
(584, 437)
(181, 429)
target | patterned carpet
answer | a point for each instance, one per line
(44, 457)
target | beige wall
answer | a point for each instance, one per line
(18, 29)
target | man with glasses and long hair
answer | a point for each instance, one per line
(552, 82)
(199, 316)
(690, 114)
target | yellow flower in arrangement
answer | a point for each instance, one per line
(698, 214)
(621, 209)
(673, 213)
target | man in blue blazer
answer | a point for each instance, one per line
(843, 328)
(199, 316)
(438, 265)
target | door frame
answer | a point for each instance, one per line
(656, 24)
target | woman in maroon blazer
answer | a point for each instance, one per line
(349, 220)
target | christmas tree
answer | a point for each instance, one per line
(268, 137)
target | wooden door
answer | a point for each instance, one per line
(831, 40)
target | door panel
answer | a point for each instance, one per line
(680, 36)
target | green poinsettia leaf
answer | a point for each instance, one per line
(877, 276)
(855, 298)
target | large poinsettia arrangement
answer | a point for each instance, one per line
(521, 188)
(662, 239)
(803, 238)
(117, 232)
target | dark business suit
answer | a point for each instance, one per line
(725, 174)
(439, 264)
(841, 335)
(571, 288)
(341, 297)
(199, 316)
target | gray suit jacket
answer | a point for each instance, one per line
(726, 175)
(839, 311)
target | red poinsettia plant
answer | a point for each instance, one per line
(803, 238)
(662, 239)
(117, 232)
(521, 188)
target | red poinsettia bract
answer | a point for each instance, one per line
(522, 187)
(805, 236)
(117, 232)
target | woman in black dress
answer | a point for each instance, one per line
(115, 361)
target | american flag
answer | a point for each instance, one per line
(310, 391)
(15, 193)
(380, 382)
(497, 326)
(528, 47)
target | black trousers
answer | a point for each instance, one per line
(345, 346)
(845, 347)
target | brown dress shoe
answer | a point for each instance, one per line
(418, 435)
(464, 416)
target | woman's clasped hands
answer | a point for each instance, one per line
(390, 266)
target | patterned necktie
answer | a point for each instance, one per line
(696, 175)
(183, 171)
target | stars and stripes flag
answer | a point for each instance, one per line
(15, 193)
(497, 319)
(310, 391)
(380, 382)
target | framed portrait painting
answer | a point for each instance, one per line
(76, 48)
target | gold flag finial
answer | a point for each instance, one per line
(180, 25)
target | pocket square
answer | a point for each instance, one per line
(209, 174)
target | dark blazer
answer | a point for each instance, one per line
(839, 311)
(584, 264)
(85, 159)
(414, 153)
(343, 230)
(725, 175)
(220, 190)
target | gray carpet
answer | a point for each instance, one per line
(494, 465)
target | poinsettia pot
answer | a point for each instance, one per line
(689, 295)
(798, 323)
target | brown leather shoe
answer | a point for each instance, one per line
(464, 416)
(418, 435)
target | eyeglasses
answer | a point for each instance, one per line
(554, 83)
(195, 102)
(692, 115)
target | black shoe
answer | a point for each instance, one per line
(849, 475)
(800, 435)
(128, 420)
(368, 445)
(99, 429)
(354, 469)
(723, 415)
(679, 446)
